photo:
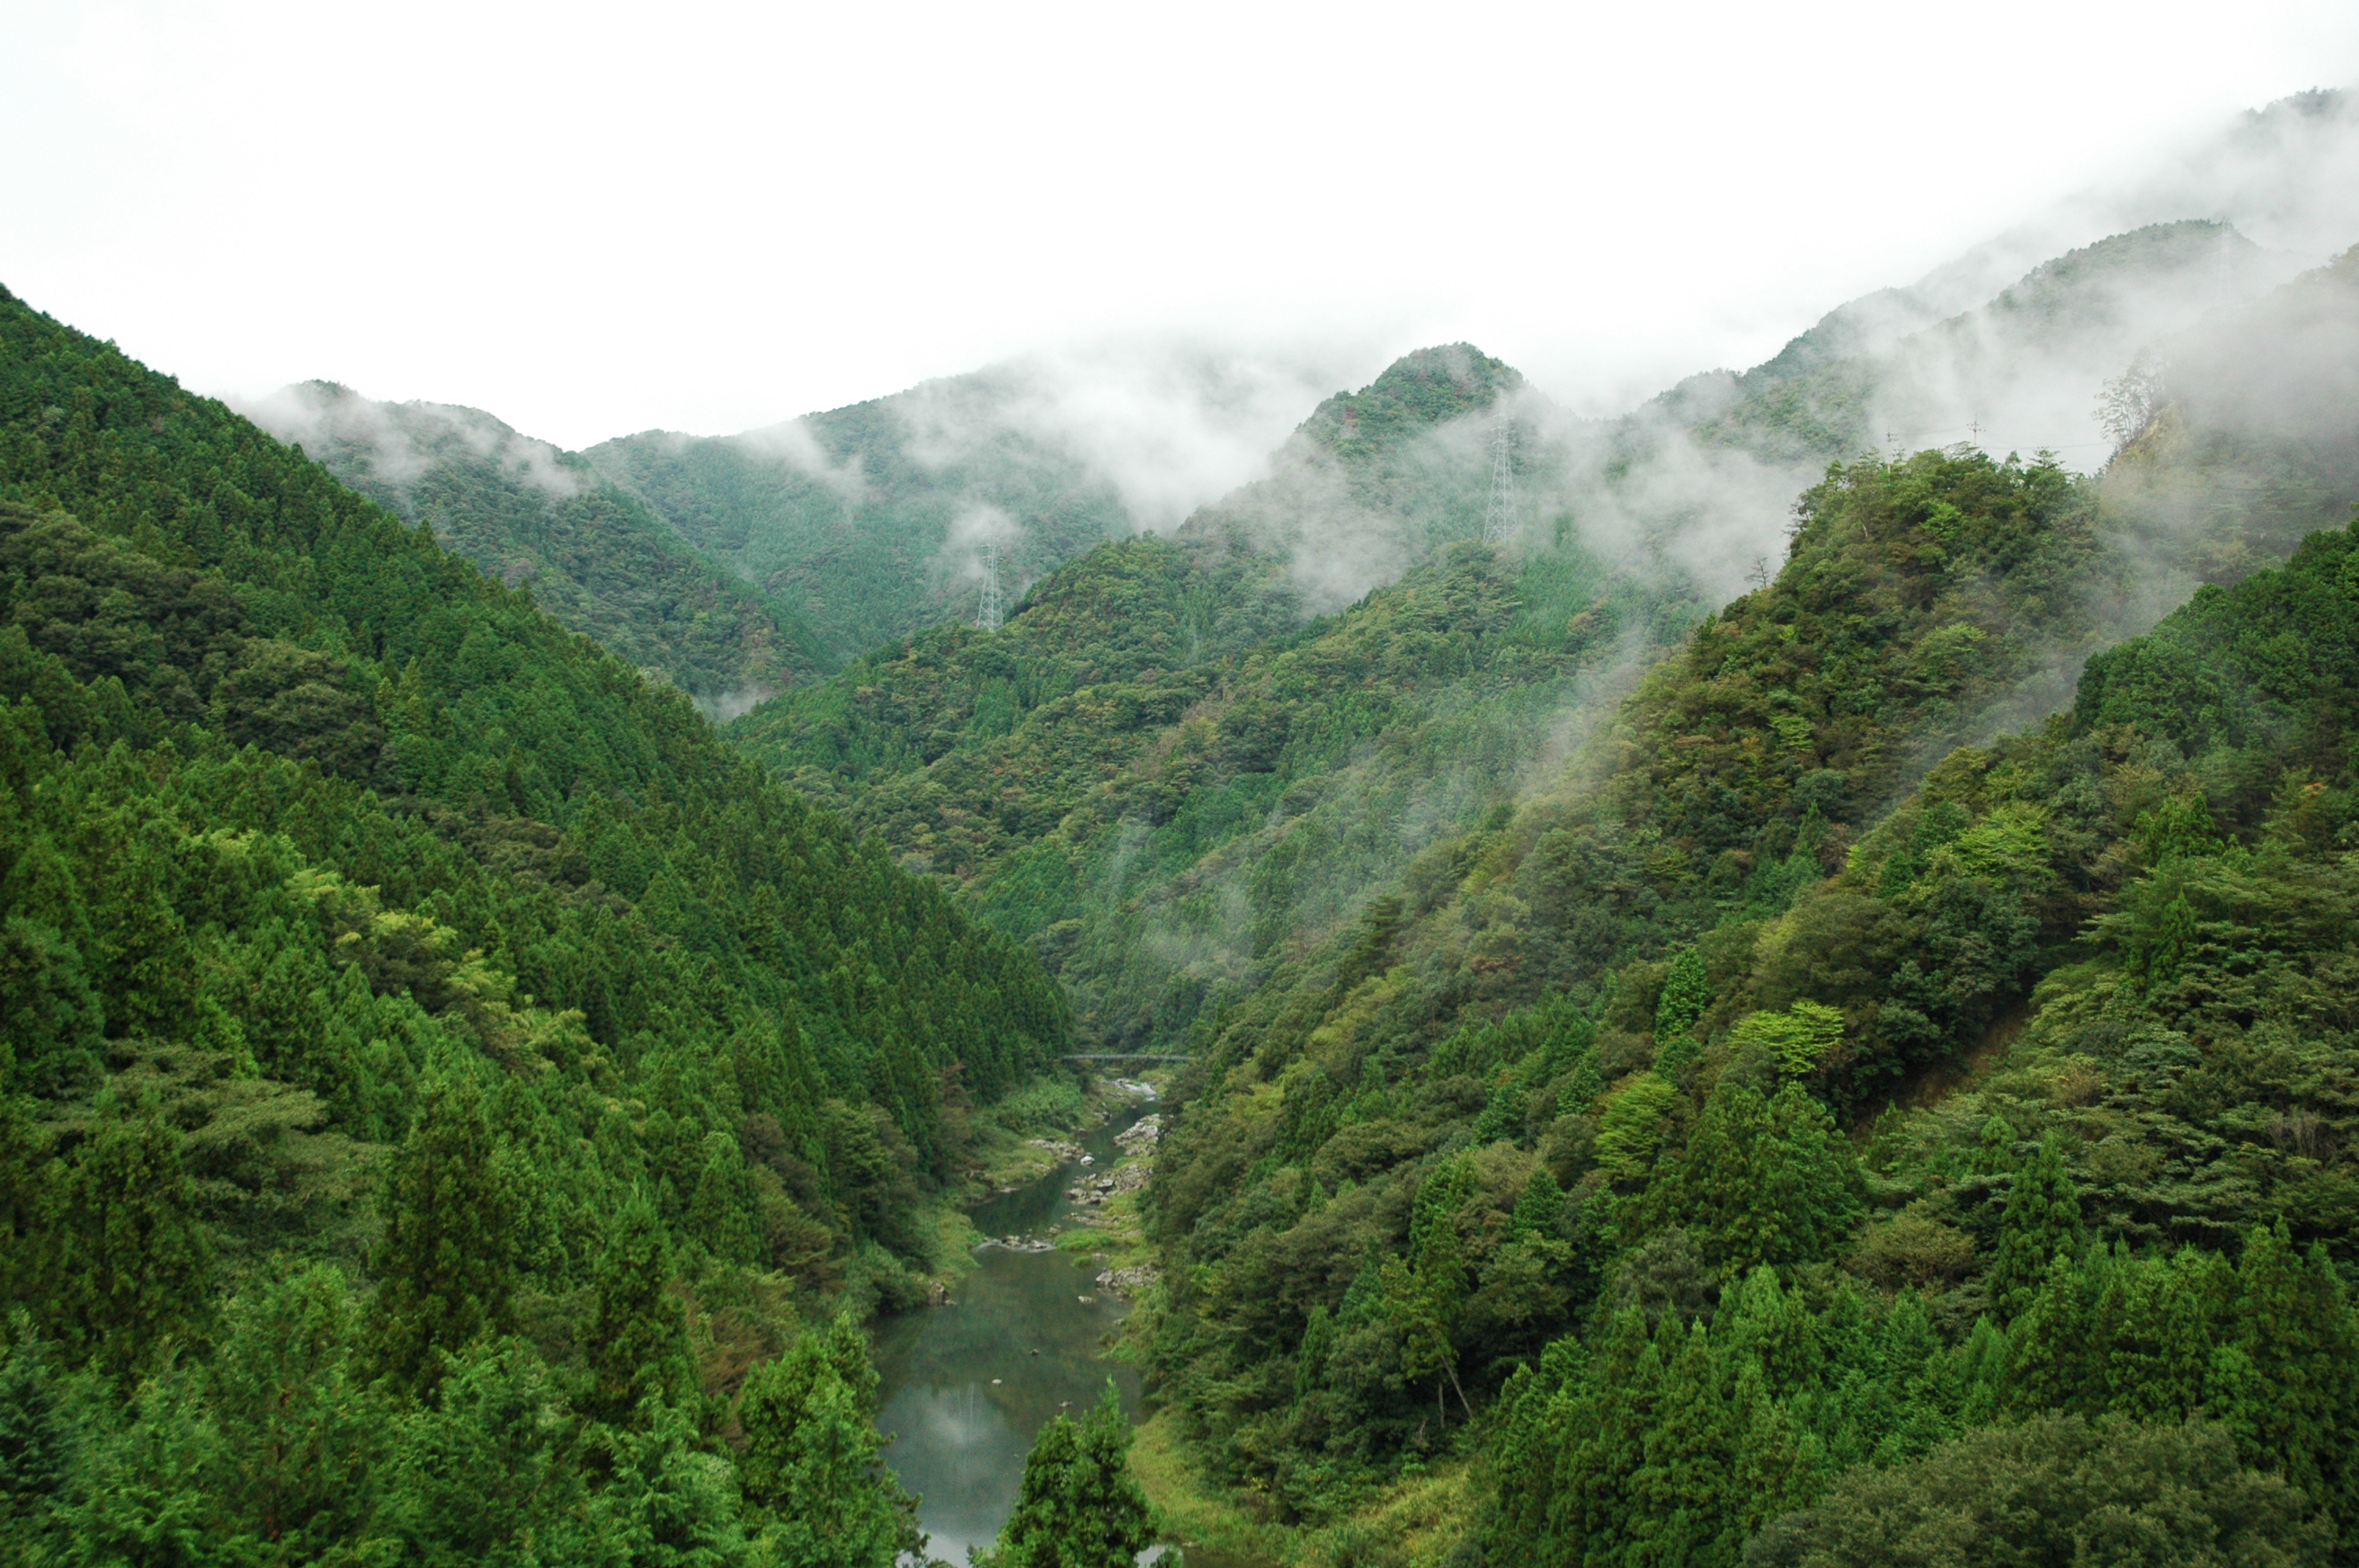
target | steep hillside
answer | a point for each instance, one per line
(1578, 1077)
(868, 519)
(2243, 435)
(529, 514)
(2023, 371)
(410, 1017)
(1159, 773)
(2137, 1209)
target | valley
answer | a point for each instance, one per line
(1768, 978)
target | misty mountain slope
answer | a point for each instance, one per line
(526, 512)
(940, 742)
(1529, 1001)
(1377, 466)
(2168, 868)
(1162, 777)
(869, 520)
(409, 1012)
(2026, 367)
(2243, 434)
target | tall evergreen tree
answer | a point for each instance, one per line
(812, 1471)
(1762, 1181)
(302, 1436)
(638, 1338)
(36, 1442)
(443, 1264)
(133, 1263)
(1079, 1506)
(2298, 1409)
(2042, 1218)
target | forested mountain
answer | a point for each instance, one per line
(1164, 777)
(423, 1039)
(1173, 793)
(2023, 369)
(1526, 1017)
(527, 514)
(869, 520)
(1561, 1123)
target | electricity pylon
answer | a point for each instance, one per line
(1498, 521)
(988, 612)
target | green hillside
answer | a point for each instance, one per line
(1589, 1067)
(861, 519)
(1547, 1150)
(2033, 359)
(435, 1068)
(531, 516)
(1164, 777)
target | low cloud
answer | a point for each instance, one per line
(1168, 426)
(794, 444)
(401, 442)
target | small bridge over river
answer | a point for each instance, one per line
(1124, 1057)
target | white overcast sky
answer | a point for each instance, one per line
(592, 220)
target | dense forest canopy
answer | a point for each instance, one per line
(1164, 778)
(867, 519)
(593, 555)
(423, 1038)
(1563, 1127)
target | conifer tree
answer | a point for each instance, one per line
(810, 1469)
(2051, 1363)
(1539, 1207)
(1679, 1506)
(488, 1472)
(2042, 1218)
(301, 1436)
(1423, 1296)
(1763, 1182)
(36, 1443)
(2299, 1409)
(133, 1263)
(444, 1277)
(639, 1340)
(1077, 1505)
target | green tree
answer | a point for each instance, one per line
(638, 1338)
(2053, 1360)
(1077, 1505)
(301, 1436)
(1796, 1040)
(2041, 1219)
(2298, 1409)
(666, 1502)
(2058, 1488)
(1423, 1296)
(443, 1263)
(487, 1476)
(811, 1471)
(1762, 1181)
(134, 1264)
(36, 1440)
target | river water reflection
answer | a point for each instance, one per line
(965, 1389)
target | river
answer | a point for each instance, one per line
(965, 1387)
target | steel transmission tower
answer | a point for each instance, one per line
(988, 612)
(1499, 522)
